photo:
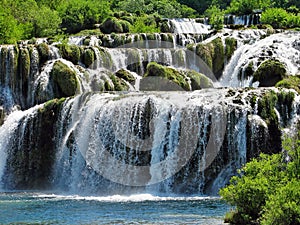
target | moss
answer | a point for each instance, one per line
(119, 84)
(165, 27)
(198, 80)
(114, 25)
(24, 64)
(269, 73)
(88, 57)
(154, 69)
(290, 82)
(126, 75)
(105, 58)
(51, 104)
(70, 52)
(64, 79)
(44, 52)
(87, 41)
(213, 55)
(230, 47)
(151, 36)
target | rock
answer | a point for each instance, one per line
(290, 82)
(70, 52)
(199, 80)
(213, 55)
(230, 47)
(64, 80)
(88, 57)
(126, 75)
(44, 52)
(2, 115)
(269, 73)
(156, 70)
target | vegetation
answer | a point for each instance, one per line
(269, 73)
(26, 19)
(267, 189)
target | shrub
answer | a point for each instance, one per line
(276, 17)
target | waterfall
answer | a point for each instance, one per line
(188, 26)
(278, 46)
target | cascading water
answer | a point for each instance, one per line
(124, 143)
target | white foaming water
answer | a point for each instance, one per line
(124, 198)
(7, 130)
(189, 26)
(277, 46)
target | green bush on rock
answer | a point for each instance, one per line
(43, 50)
(114, 25)
(64, 80)
(198, 80)
(126, 75)
(269, 73)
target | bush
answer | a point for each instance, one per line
(276, 17)
(216, 17)
(267, 189)
(290, 82)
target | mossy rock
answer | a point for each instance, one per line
(213, 55)
(64, 80)
(247, 72)
(199, 80)
(230, 47)
(155, 69)
(126, 75)
(2, 115)
(24, 64)
(114, 25)
(165, 27)
(70, 52)
(88, 57)
(269, 73)
(119, 84)
(291, 82)
(44, 52)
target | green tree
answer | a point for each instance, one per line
(77, 15)
(216, 16)
(10, 31)
(276, 17)
(267, 189)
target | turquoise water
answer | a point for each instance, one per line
(41, 208)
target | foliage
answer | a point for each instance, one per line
(216, 16)
(10, 31)
(144, 25)
(82, 14)
(267, 189)
(243, 7)
(290, 82)
(280, 18)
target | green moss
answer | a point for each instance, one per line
(114, 25)
(230, 47)
(87, 41)
(64, 79)
(151, 36)
(165, 27)
(154, 69)
(105, 58)
(290, 82)
(126, 75)
(198, 80)
(24, 64)
(70, 52)
(213, 55)
(44, 52)
(119, 84)
(134, 61)
(269, 73)
(88, 57)
(51, 104)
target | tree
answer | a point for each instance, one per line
(10, 31)
(216, 16)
